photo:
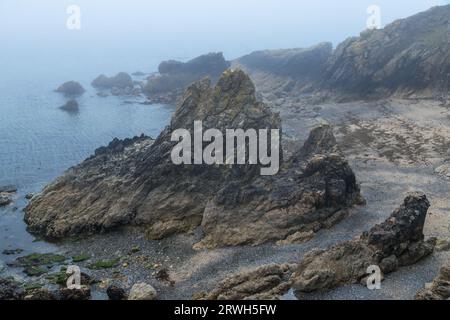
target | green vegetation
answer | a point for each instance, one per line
(81, 257)
(38, 259)
(35, 271)
(104, 264)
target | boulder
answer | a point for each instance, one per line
(10, 289)
(5, 199)
(116, 293)
(439, 289)
(263, 283)
(84, 293)
(397, 242)
(71, 89)
(142, 291)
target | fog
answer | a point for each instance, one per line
(117, 34)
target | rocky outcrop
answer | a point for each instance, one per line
(290, 69)
(71, 89)
(439, 289)
(399, 241)
(6, 195)
(10, 289)
(408, 56)
(263, 283)
(136, 182)
(169, 84)
(121, 80)
(70, 106)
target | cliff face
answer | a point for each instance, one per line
(135, 182)
(174, 76)
(409, 56)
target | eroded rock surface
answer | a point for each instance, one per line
(439, 289)
(264, 283)
(136, 182)
(399, 241)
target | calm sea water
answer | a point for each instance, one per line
(38, 141)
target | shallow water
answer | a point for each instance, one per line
(38, 141)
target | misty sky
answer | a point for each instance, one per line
(185, 28)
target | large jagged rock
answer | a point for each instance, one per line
(310, 191)
(408, 55)
(439, 289)
(174, 76)
(399, 241)
(264, 283)
(136, 182)
(71, 89)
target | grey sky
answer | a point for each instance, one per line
(181, 28)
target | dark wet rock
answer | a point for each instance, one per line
(71, 89)
(116, 293)
(397, 242)
(263, 283)
(121, 81)
(136, 182)
(5, 199)
(11, 289)
(70, 106)
(8, 189)
(84, 293)
(10, 252)
(439, 289)
(29, 196)
(40, 295)
(174, 76)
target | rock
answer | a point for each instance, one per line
(417, 58)
(439, 289)
(142, 291)
(11, 252)
(263, 283)
(116, 293)
(442, 245)
(8, 189)
(71, 89)
(174, 76)
(29, 196)
(84, 293)
(70, 106)
(140, 185)
(397, 242)
(40, 295)
(121, 80)
(5, 199)
(10, 289)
